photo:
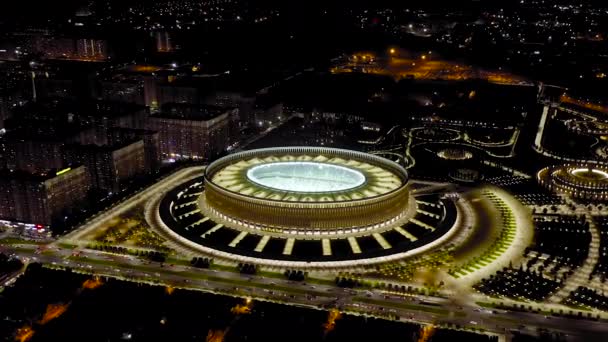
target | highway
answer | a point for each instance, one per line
(416, 308)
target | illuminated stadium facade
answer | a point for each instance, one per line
(585, 181)
(305, 206)
(306, 190)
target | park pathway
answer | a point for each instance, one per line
(581, 275)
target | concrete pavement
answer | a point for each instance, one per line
(581, 275)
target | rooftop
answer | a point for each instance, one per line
(191, 111)
(7, 174)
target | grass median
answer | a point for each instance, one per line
(406, 306)
(16, 241)
(200, 276)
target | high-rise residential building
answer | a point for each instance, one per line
(9, 99)
(41, 198)
(72, 81)
(163, 41)
(100, 117)
(110, 167)
(245, 102)
(32, 155)
(181, 93)
(53, 47)
(151, 144)
(123, 88)
(151, 92)
(266, 112)
(136, 83)
(193, 131)
(94, 49)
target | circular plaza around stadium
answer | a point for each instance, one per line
(305, 206)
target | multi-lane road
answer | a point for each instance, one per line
(314, 294)
(417, 308)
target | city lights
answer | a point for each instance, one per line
(317, 171)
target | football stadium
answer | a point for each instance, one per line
(311, 206)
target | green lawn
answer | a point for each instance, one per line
(274, 275)
(176, 261)
(506, 307)
(487, 305)
(16, 241)
(268, 274)
(95, 261)
(24, 250)
(226, 268)
(66, 245)
(321, 281)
